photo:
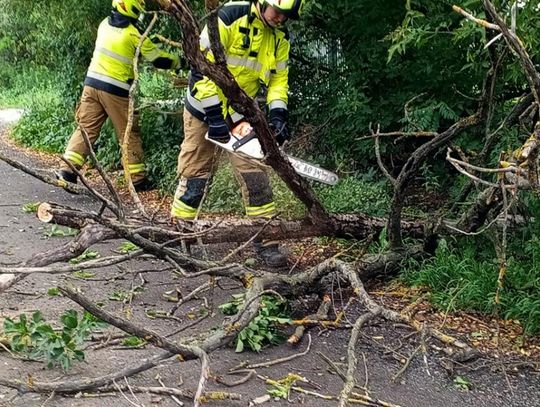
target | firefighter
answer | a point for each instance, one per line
(106, 89)
(257, 50)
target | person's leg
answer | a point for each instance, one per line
(194, 168)
(117, 108)
(90, 116)
(259, 203)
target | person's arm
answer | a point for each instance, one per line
(206, 91)
(159, 58)
(278, 92)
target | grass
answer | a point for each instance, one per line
(28, 86)
(461, 278)
(352, 194)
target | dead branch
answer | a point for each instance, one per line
(479, 21)
(247, 377)
(516, 45)
(118, 208)
(44, 177)
(129, 125)
(379, 160)
(85, 384)
(400, 134)
(352, 361)
(106, 203)
(87, 265)
(88, 236)
(281, 360)
(320, 315)
(411, 167)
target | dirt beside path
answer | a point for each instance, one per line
(431, 381)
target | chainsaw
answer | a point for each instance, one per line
(244, 142)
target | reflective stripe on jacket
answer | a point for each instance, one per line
(111, 69)
(255, 54)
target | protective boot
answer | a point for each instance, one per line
(270, 254)
(66, 175)
(143, 185)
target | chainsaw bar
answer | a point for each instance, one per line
(247, 145)
(312, 171)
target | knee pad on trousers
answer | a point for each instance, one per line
(191, 190)
(259, 191)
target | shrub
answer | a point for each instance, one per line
(358, 193)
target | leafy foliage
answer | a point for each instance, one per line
(463, 278)
(133, 342)
(361, 193)
(37, 339)
(59, 231)
(127, 247)
(86, 255)
(30, 207)
(263, 329)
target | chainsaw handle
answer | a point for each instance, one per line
(243, 140)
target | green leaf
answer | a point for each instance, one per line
(37, 317)
(70, 319)
(53, 291)
(127, 247)
(133, 341)
(83, 274)
(86, 255)
(30, 207)
(56, 231)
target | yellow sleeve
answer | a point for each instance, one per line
(207, 91)
(151, 52)
(278, 86)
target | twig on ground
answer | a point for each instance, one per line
(248, 376)
(124, 395)
(173, 397)
(282, 360)
(51, 396)
(423, 344)
(406, 364)
(76, 386)
(321, 314)
(366, 374)
(87, 265)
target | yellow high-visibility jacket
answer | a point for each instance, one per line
(256, 54)
(111, 69)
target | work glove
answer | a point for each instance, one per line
(217, 127)
(180, 64)
(277, 120)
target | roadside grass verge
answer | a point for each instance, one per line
(463, 277)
